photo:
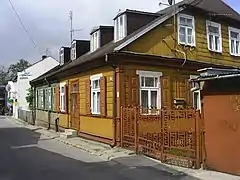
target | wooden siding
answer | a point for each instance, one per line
(160, 41)
(99, 126)
(175, 85)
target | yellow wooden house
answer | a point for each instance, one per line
(146, 59)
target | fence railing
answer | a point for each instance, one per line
(172, 136)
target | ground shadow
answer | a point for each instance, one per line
(22, 159)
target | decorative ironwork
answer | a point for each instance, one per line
(167, 135)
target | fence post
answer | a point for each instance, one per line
(136, 128)
(197, 133)
(121, 122)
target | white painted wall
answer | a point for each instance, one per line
(28, 75)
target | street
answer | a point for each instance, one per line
(27, 155)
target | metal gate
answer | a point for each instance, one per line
(172, 136)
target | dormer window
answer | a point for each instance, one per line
(61, 59)
(120, 27)
(95, 40)
(73, 51)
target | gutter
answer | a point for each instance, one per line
(114, 104)
(49, 124)
(216, 77)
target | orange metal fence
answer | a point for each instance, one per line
(172, 136)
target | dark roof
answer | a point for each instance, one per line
(101, 27)
(207, 5)
(135, 12)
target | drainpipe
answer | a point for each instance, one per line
(184, 55)
(49, 115)
(114, 107)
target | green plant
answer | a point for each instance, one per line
(30, 98)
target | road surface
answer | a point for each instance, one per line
(27, 155)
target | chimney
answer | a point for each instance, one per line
(44, 57)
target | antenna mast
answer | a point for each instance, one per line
(71, 26)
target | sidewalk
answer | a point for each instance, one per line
(122, 156)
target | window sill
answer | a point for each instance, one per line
(188, 45)
(213, 51)
(235, 55)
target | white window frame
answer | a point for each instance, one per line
(120, 31)
(95, 41)
(196, 90)
(73, 50)
(97, 90)
(61, 56)
(49, 98)
(62, 97)
(186, 28)
(150, 89)
(217, 25)
(231, 29)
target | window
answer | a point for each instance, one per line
(197, 100)
(40, 99)
(234, 41)
(95, 40)
(53, 98)
(186, 30)
(73, 51)
(49, 98)
(62, 97)
(95, 93)
(62, 56)
(149, 89)
(120, 27)
(214, 36)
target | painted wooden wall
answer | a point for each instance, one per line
(93, 124)
(174, 84)
(160, 41)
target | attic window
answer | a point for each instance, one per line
(73, 51)
(214, 36)
(95, 40)
(234, 41)
(61, 56)
(186, 30)
(120, 27)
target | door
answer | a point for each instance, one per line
(75, 106)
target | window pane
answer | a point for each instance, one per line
(182, 34)
(98, 102)
(154, 99)
(217, 43)
(237, 47)
(182, 20)
(232, 47)
(156, 82)
(190, 36)
(189, 22)
(94, 102)
(196, 100)
(96, 84)
(149, 82)
(234, 35)
(144, 98)
(213, 29)
(142, 81)
(211, 41)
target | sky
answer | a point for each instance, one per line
(48, 23)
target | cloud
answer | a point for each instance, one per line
(48, 23)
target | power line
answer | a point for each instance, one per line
(24, 28)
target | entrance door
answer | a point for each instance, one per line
(75, 108)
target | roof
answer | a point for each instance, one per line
(216, 73)
(101, 27)
(165, 14)
(135, 12)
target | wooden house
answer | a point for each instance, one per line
(147, 63)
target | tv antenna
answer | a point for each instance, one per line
(71, 26)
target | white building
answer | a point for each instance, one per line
(23, 79)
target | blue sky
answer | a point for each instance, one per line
(48, 23)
